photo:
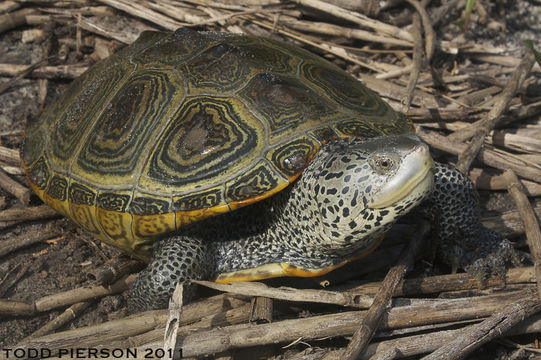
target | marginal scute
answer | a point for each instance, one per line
(85, 216)
(34, 142)
(324, 134)
(116, 226)
(80, 194)
(146, 227)
(198, 200)
(40, 173)
(258, 181)
(145, 205)
(113, 201)
(293, 156)
(357, 128)
(58, 187)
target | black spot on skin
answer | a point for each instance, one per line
(352, 225)
(345, 212)
(331, 176)
(362, 179)
(345, 189)
(354, 200)
(332, 191)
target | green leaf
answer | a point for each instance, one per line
(529, 43)
(463, 22)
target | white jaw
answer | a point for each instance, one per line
(415, 176)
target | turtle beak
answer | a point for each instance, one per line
(415, 176)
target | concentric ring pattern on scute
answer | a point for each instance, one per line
(178, 127)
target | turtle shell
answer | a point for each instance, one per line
(181, 126)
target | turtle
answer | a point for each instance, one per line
(231, 157)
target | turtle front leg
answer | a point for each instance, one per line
(174, 259)
(463, 241)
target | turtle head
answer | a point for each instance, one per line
(361, 186)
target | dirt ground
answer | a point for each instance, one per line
(64, 262)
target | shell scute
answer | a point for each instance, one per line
(227, 65)
(293, 156)
(113, 201)
(285, 103)
(199, 200)
(167, 50)
(120, 136)
(207, 137)
(257, 182)
(181, 126)
(66, 121)
(142, 205)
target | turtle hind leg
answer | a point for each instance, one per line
(174, 259)
(463, 241)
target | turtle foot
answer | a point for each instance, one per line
(462, 240)
(482, 255)
(175, 259)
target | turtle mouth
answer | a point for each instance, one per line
(416, 175)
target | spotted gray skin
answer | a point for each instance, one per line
(327, 217)
(463, 241)
(322, 220)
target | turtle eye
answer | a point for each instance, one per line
(383, 164)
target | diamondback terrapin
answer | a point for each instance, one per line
(150, 150)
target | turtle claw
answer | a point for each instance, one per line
(491, 258)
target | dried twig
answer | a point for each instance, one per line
(531, 224)
(488, 180)
(340, 324)
(357, 18)
(48, 72)
(114, 269)
(417, 63)
(14, 188)
(14, 19)
(496, 325)
(173, 319)
(68, 315)
(25, 239)
(28, 213)
(483, 128)
(110, 331)
(261, 311)
(291, 294)
(371, 320)
(489, 157)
